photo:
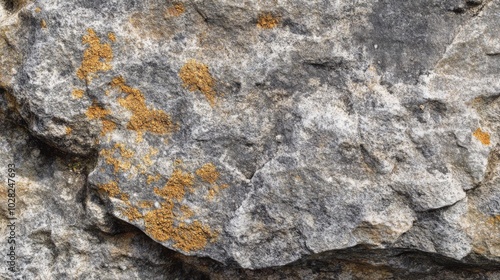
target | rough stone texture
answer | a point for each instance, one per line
(334, 138)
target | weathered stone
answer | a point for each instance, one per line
(257, 134)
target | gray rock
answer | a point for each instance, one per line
(257, 134)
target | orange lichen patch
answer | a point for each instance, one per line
(482, 136)
(139, 137)
(132, 213)
(43, 23)
(152, 179)
(186, 212)
(176, 186)
(267, 21)
(165, 224)
(208, 173)
(96, 112)
(110, 188)
(38, 9)
(124, 152)
(160, 225)
(78, 93)
(107, 126)
(97, 57)
(143, 119)
(176, 10)
(215, 190)
(196, 77)
(112, 37)
(68, 130)
(147, 158)
(192, 237)
(116, 163)
(129, 211)
(146, 204)
(125, 197)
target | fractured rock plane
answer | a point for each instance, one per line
(213, 139)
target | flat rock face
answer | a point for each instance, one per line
(258, 133)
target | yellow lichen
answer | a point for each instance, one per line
(97, 57)
(107, 126)
(68, 130)
(139, 137)
(113, 190)
(190, 237)
(152, 179)
(124, 152)
(176, 185)
(112, 37)
(96, 112)
(132, 213)
(125, 197)
(78, 93)
(110, 188)
(208, 173)
(143, 119)
(196, 77)
(43, 23)
(118, 165)
(215, 190)
(482, 136)
(38, 9)
(267, 21)
(160, 225)
(147, 158)
(186, 212)
(176, 10)
(146, 204)
(165, 224)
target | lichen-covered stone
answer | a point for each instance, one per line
(258, 134)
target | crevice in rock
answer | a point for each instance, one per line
(200, 12)
(442, 208)
(392, 262)
(13, 5)
(479, 5)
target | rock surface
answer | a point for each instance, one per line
(360, 138)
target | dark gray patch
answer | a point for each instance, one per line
(296, 28)
(410, 36)
(285, 126)
(436, 109)
(290, 162)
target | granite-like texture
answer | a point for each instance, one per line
(259, 133)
